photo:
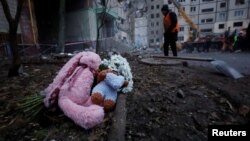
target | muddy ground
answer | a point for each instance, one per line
(167, 103)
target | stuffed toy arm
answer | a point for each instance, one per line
(114, 81)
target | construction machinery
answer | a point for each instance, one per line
(193, 32)
(219, 65)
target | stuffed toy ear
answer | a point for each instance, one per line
(102, 75)
(103, 67)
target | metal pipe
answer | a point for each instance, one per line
(186, 58)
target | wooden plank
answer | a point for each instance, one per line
(185, 58)
(118, 129)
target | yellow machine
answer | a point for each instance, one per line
(193, 32)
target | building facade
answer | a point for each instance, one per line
(155, 24)
(213, 17)
(102, 19)
(83, 20)
(101, 15)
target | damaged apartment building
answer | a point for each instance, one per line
(39, 26)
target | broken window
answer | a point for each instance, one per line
(181, 38)
(157, 15)
(209, 20)
(193, 9)
(151, 40)
(222, 16)
(152, 16)
(238, 24)
(206, 30)
(207, 0)
(181, 28)
(207, 10)
(122, 21)
(156, 32)
(239, 2)
(238, 13)
(103, 2)
(221, 26)
(222, 5)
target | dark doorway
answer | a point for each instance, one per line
(47, 17)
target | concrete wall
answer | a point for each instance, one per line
(232, 14)
(207, 6)
(112, 44)
(206, 16)
(245, 23)
(121, 31)
(92, 24)
(233, 5)
(81, 26)
(216, 27)
(221, 16)
(219, 5)
(141, 32)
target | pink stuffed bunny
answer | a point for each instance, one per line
(71, 88)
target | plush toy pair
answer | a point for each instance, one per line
(105, 92)
(71, 90)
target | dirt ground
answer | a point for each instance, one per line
(178, 103)
(168, 103)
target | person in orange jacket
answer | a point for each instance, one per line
(171, 28)
(248, 38)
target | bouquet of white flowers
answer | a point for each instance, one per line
(120, 65)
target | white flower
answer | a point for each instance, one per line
(121, 65)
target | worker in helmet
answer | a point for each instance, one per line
(171, 29)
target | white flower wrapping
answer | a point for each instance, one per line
(121, 65)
